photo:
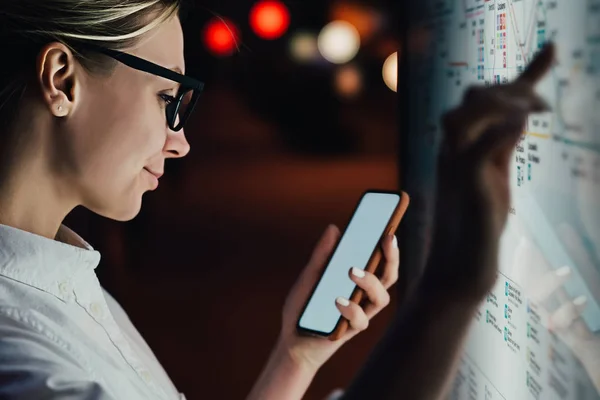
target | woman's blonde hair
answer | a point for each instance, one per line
(27, 25)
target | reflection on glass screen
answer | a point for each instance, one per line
(527, 341)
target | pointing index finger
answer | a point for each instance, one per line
(539, 66)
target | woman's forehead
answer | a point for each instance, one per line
(163, 46)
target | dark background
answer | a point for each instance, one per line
(277, 154)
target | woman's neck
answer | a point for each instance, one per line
(30, 198)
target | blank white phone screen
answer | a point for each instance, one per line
(354, 250)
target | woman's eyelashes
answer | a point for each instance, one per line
(166, 98)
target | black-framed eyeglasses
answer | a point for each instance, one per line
(182, 104)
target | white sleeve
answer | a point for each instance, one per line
(33, 366)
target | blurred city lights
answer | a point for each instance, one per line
(221, 36)
(390, 71)
(303, 47)
(338, 42)
(367, 20)
(348, 81)
(269, 19)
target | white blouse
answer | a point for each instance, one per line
(62, 336)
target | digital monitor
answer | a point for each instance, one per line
(524, 342)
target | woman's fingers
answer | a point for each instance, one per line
(353, 313)
(539, 66)
(521, 96)
(518, 95)
(391, 254)
(567, 313)
(377, 294)
(502, 105)
(375, 288)
(547, 284)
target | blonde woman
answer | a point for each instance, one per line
(93, 99)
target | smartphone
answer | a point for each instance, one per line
(377, 214)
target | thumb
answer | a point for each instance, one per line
(497, 143)
(323, 250)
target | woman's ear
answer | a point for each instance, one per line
(56, 74)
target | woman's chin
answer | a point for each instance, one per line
(122, 214)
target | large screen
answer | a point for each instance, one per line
(537, 334)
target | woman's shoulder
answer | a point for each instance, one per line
(27, 309)
(31, 316)
(37, 362)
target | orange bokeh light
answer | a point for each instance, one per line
(269, 19)
(365, 18)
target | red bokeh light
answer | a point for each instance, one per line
(269, 19)
(221, 36)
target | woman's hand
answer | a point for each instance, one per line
(560, 312)
(313, 352)
(473, 180)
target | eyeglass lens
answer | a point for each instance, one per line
(179, 110)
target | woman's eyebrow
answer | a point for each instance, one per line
(176, 69)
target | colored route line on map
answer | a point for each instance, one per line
(583, 145)
(570, 142)
(539, 135)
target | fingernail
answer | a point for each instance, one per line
(563, 271)
(395, 242)
(342, 301)
(580, 301)
(359, 273)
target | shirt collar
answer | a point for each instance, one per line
(44, 263)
